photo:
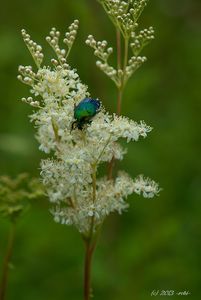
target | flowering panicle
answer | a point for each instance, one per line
(71, 35)
(53, 40)
(70, 175)
(139, 41)
(124, 15)
(145, 186)
(34, 48)
(103, 53)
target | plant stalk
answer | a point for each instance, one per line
(119, 64)
(90, 244)
(126, 44)
(89, 250)
(7, 258)
(118, 37)
(120, 88)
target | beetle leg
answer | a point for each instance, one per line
(74, 126)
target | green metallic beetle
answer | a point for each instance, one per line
(84, 112)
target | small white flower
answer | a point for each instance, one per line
(76, 154)
(145, 186)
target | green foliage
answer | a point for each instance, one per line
(15, 195)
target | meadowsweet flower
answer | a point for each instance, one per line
(145, 186)
(78, 196)
(78, 134)
(124, 16)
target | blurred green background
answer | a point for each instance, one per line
(156, 244)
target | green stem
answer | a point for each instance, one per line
(119, 103)
(36, 62)
(119, 100)
(119, 54)
(7, 258)
(94, 183)
(99, 157)
(56, 135)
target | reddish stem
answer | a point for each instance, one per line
(118, 35)
(87, 268)
(7, 258)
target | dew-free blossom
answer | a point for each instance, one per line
(70, 173)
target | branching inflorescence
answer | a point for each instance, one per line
(71, 176)
(124, 15)
(77, 145)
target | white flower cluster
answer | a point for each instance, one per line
(139, 41)
(53, 40)
(70, 176)
(103, 53)
(124, 15)
(145, 186)
(34, 48)
(134, 63)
